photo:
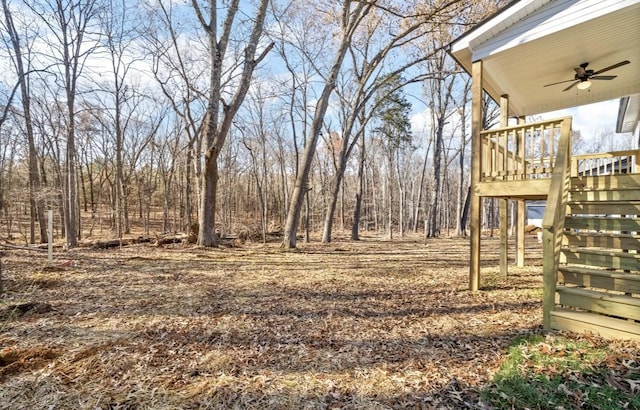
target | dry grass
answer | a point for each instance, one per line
(370, 325)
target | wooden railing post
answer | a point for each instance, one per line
(553, 221)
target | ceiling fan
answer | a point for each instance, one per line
(583, 77)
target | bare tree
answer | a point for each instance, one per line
(460, 207)
(35, 198)
(169, 154)
(219, 113)
(372, 64)
(8, 153)
(118, 26)
(49, 124)
(178, 65)
(302, 38)
(441, 90)
(357, 207)
(255, 132)
(72, 25)
(220, 91)
(350, 18)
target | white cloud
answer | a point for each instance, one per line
(420, 121)
(591, 119)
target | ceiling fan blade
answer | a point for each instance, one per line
(621, 63)
(603, 77)
(571, 86)
(559, 82)
(580, 71)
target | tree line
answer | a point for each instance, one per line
(261, 116)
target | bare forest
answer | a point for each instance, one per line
(273, 119)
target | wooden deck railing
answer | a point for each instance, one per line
(554, 218)
(606, 163)
(521, 152)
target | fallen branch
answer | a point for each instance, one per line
(117, 243)
(170, 239)
(24, 248)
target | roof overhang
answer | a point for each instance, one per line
(628, 113)
(532, 43)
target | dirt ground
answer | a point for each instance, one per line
(372, 324)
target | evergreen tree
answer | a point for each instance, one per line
(394, 134)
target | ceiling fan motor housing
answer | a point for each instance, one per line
(585, 76)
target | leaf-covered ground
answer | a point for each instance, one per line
(370, 325)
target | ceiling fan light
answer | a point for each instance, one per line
(583, 85)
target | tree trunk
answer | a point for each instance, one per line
(83, 188)
(307, 217)
(465, 212)
(377, 217)
(206, 217)
(187, 189)
(357, 208)
(333, 200)
(71, 222)
(434, 228)
(416, 215)
(119, 183)
(264, 196)
(166, 191)
(300, 188)
(390, 209)
(401, 197)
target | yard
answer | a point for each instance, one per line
(371, 325)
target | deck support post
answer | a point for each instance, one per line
(476, 164)
(520, 206)
(520, 221)
(504, 203)
(504, 236)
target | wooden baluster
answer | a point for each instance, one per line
(520, 166)
(552, 146)
(505, 156)
(531, 150)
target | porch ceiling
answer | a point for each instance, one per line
(538, 42)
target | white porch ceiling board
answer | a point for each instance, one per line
(522, 70)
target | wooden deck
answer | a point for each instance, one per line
(596, 281)
(591, 228)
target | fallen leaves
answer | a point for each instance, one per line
(356, 325)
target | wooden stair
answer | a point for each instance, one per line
(598, 280)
